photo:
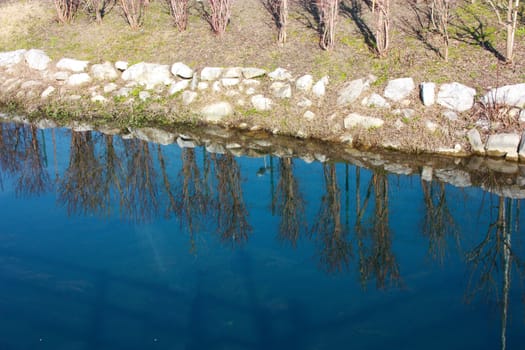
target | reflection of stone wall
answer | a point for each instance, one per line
(216, 94)
(493, 175)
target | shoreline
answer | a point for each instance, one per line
(400, 114)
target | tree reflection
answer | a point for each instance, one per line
(80, 187)
(438, 223)
(112, 182)
(23, 155)
(376, 258)
(141, 186)
(289, 203)
(190, 200)
(232, 216)
(494, 256)
(336, 251)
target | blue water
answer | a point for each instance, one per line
(108, 243)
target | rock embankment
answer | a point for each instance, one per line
(352, 112)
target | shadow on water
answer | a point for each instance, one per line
(348, 221)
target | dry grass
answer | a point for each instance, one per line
(18, 18)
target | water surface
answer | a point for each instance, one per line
(112, 243)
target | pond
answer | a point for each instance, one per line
(113, 242)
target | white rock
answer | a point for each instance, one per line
(72, 65)
(61, 76)
(186, 143)
(30, 84)
(81, 127)
(354, 119)
(154, 135)
(427, 92)
(216, 86)
(250, 72)
(217, 111)
(261, 103)
(110, 87)
(46, 124)
(11, 58)
(211, 73)
(78, 79)
(280, 74)
(431, 126)
(375, 100)
(104, 71)
(510, 95)
(181, 70)
(124, 92)
(121, 65)
(250, 91)
(319, 89)
(399, 89)
(458, 178)
(305, 83)
(188, 97)
(232, 72)
(309, 115)
(281, 90)
(202, 85)
(522, 116)
(99, 99)
(476, 144)
(451, 115)
(47, 92)
(251, 82)
(456, 96)
(178, 86)
(350, 92)
(144, 95)
(499, 145)
(229, 82)
(148, 74)
(37, 59)
(304, 103)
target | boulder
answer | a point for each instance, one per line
(211, 73)
(354, 119)
(104, 71)
(304, 103)
(11, 57)
(78, 79)
(456, 96)
(427, 92)
(281, 90)
(522, 116)
(375, 100)
(202, 85)
(399, 89)
(280, 74)
(72, 65)
(304, 83)
(350, 92)
(121, 65)
(181, 70)
(61, 76)
(261, 103)
(99, 99)
(110, 87)
(426, 173)
(46, 124)
(309, 115)
(510, 95)
(37, 59)
(474, 138)
(148, 74)
(451, 115)
(229, 82)
(250, 73)
(47, 92)
(319, 88)
(215, 112)
(154, 135)
(232, 72)
(500, 145)
(178, 86)
(30, 84)
(458, 178)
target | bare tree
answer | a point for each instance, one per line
(381, 8)
(509, 9)
(328, 12)
(219, 15)
(98, 8)
(134, 12)
(66, 10)
(179, 13)
(279, 11)
(440, 17)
